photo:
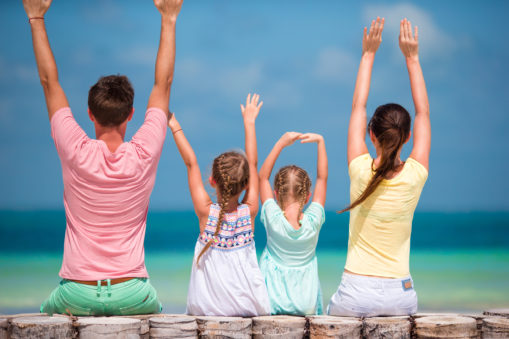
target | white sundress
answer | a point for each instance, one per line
(227, 281)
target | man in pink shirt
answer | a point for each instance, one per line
(107, 182)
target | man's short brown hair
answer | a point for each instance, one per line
(110, 100)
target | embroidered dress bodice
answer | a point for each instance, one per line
(227, 280)
(236, 230)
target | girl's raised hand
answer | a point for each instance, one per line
(173, 123)
(252, 108)
(310, 137)
(408, 42)
(371, 41)
(289, 138)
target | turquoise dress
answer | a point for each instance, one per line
(289, 263)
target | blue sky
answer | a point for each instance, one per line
(301, 56)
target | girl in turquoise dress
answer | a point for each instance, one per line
(289, 262)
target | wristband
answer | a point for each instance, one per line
(35, 18)
(180, 129)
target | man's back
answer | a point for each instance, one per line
(106, 197)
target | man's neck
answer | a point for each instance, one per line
(112, 136)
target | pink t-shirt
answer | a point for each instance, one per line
(106, 197)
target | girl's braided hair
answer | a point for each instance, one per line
(230, 171)
(292, 182)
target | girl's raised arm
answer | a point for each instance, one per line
(358, 120)
(200, 197)
(409, 45)
(322, 169)
(264, 176)
(249, 113)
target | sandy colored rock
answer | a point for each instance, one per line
(387, 327)
(499, 312)
(279, 326)
(41, 327)
(224, 327)
(445, 327)
(495, 327)
(324, 327)
(4, 324)
(108, 328)
(175, 326)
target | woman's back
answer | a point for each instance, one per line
(380, 227)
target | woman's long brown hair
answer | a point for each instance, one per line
(391, 126)
(230, 171)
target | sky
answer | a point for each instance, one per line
(300, 56)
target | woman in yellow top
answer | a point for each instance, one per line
(384, 191)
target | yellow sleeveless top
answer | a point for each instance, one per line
(380, 227)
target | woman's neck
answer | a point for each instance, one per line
(397, 162)
(293, 214)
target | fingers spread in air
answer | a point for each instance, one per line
(242, 109)
(416, 36)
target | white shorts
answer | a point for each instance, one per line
(362, 296)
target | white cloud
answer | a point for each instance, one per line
(434, 42)
(335, 65)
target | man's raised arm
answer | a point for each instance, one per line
(165, 63)
(48, 73)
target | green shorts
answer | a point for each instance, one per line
(135, 296)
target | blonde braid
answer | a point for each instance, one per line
(225, 190)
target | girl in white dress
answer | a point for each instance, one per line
(225, 278)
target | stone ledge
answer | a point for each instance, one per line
(420, 325)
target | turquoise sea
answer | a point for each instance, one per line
(459, 261)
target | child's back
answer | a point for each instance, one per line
(289, 261)
(225, 278)
(231, 259)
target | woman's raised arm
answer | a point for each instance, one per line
(358, 120)
(409, 44)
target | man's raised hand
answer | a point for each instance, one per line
(36, 8)
(408, 42)
(169, 8)
(371, 41)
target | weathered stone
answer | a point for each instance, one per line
(279, 326)
(108, 328)
(145, 327)
(387, 327)
(4, 325)
(224, 327)
(178, 326)
(499, 312)
(41, 327)
(431, 314)
(324, 327)
(495, 327)
(445, 327)
(478, 319)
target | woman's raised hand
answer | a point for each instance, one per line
(310, 137)
(36, 8)
(252, 108)
(408, 42)
(371, 41)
